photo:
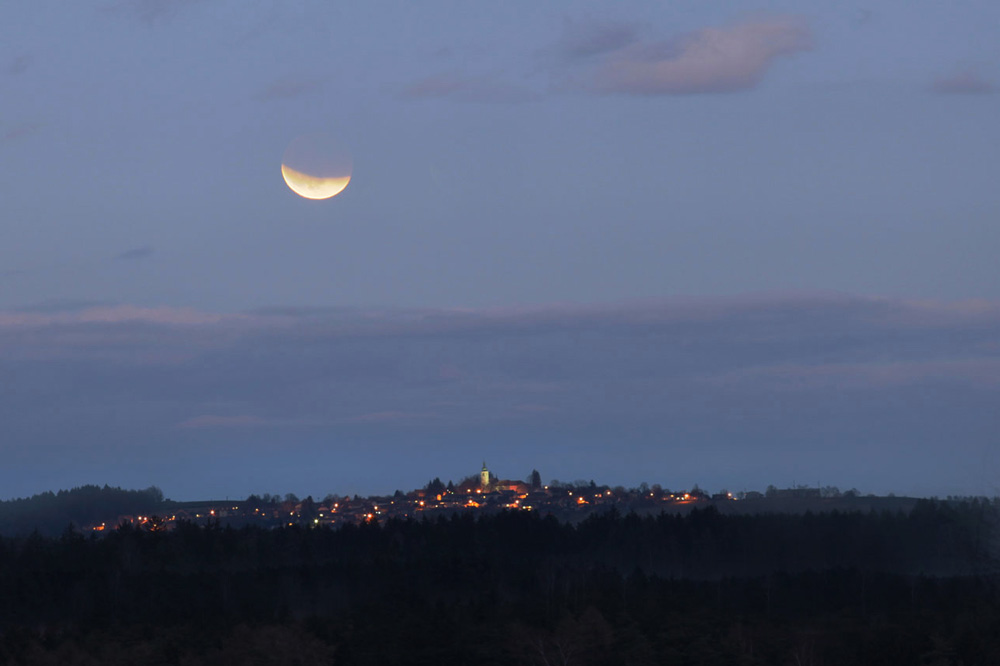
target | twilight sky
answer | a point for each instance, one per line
(730, 244)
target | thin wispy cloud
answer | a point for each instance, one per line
(389, 417)
(219, 421)
(533, 408)
(19, 131)
(150, 11)
(862, 16)
(19, 64)
(438, 85)
(585, 39)
(964, 83)
(287, 89)
(711, 60)
(981, 372)
(116, 314)
(463, 88)
(135, 254)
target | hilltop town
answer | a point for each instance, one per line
(486, 493)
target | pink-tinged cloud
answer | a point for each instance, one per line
(711, 60)
(963, 83)
(217, 421)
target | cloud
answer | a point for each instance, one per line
(19, 131)
(150, 11)
(287, 89)
(533, 408)
(963, 83)
(982, 372)
(482, 89)
(738, 375)
(710, 60)
(19, 64)
(588, 38)
(546, 348)
(143, 252)
(861, 16)
(439, 85)
(115, 314)
(388, 417)
(450, 371)
(217, 421)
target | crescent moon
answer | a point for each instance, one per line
(313, 187)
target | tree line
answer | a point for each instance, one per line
(517, 588)
(49, 513)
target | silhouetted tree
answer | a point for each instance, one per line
(309, 510)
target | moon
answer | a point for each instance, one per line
(315, 167)
(312, 187)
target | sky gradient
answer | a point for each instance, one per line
(730, 245)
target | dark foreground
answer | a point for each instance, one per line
(918, 588)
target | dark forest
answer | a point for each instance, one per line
(516, 588)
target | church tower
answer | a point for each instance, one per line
(484, 477)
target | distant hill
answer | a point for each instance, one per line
(52, 513)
